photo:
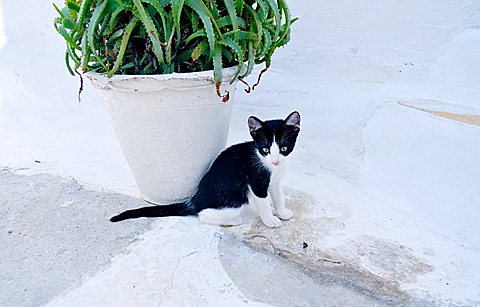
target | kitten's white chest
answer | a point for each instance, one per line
(278, 172)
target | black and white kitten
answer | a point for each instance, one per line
(242, 175)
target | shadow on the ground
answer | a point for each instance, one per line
(54, 233)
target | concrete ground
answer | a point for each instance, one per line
(54, 233)
(56, 236)
(272, 279)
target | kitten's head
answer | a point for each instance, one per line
(275, 139)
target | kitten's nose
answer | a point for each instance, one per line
(275, 161)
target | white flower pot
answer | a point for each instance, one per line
(170, 127)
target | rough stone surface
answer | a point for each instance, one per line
(274, 280)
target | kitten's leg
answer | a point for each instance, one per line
(264, 211)
(276, 192)
(226, 216)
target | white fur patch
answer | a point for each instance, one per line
(226, 216)
(264, 210)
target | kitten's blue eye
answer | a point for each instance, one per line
(283, 149)
(265, 150)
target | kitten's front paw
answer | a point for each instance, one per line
(286, 214)
(272, 222)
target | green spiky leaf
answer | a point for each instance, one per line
(165, 36)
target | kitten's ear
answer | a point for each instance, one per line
(293, 120)
(254, 124)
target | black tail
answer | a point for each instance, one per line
(180, 209)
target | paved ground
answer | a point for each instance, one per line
(280, 282)
(55, 234)
(334, 278)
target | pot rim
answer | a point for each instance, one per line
(154, 83)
